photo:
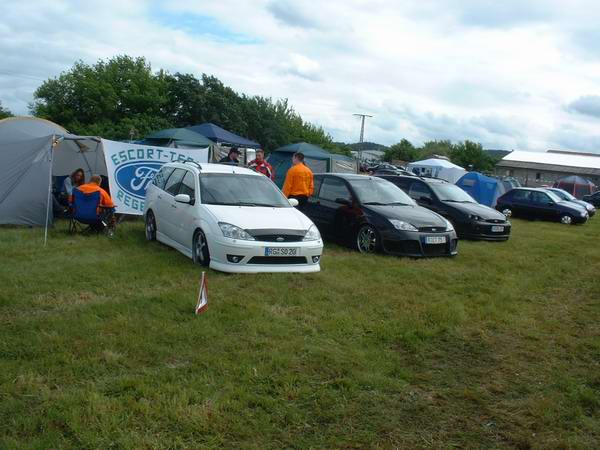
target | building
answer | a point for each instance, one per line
(536, 169)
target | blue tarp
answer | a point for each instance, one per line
(484, 189)
(221, 136)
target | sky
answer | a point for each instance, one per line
(509, 74)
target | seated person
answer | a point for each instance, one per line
(76, 179)
(106, 207)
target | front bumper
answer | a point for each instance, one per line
(484, 231)
(413, 243)
(250, 256)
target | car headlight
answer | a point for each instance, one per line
(312, 234)
(401, 225)
(233, 232)
(449, 226)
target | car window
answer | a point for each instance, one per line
(334, 188)
(233, 189)
(162, 176)
(521, 195)
(377, 191)
(539, 198)
(317, 186)
(172, 184)
(187, 185)
(418, 190)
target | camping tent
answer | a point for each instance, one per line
(484, 189)
(223, 137)
(315, 157)
(177, 138)
(437, 168)
(575, 185)
(36, 155)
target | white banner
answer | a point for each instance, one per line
(131, 167)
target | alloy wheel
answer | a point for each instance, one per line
(150, 227)
(200, 249)
(366, 239)
(566, 219)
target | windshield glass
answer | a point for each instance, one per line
(240, 190)
(553, 196)
(451, 193)
(376, 191)
(563, 194)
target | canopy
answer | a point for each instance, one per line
(177, 137)
(437, 168)
(484, 189)
(575, 185)
(318, 159)
(221, 136)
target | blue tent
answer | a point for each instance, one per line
(484, 189)
(221, 136)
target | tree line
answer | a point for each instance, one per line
(121, 96)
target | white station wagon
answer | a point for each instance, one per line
(231, 219)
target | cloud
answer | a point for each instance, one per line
(588, 105)
(498, 72)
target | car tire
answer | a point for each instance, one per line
(507, 212)
(200, 253)
(367, 239)
(566, 219)
(150, 226)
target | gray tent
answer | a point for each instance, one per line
(32, 152)
(178, 138)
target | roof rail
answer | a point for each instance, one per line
(189, 161)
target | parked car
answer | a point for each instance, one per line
(538, 203)
(371, 214)
(564, 195)
(594, 199)
(471, 220)
(231, 219)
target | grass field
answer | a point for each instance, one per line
(496, 348)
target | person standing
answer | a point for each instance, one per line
(232, 157)
(260, 165)
(298, 180)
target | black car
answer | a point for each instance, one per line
(533, 203)
(470, 219)
(372, 214)
(594, 199)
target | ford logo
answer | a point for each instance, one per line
(280, 239)
(135, 176)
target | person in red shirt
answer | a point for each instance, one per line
(260, 165)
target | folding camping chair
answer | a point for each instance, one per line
(86, 210)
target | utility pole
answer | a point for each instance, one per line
(362, 133)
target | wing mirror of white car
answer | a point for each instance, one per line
(294, 202)
(183, 198)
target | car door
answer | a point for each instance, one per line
(313, 201)
(155, 195)
(168, 206)
(421, 193)
(334, 196)
(185, 214)
(542, 206)
(520, 203)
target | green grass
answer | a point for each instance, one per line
(496, 348)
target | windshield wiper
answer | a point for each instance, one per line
(374, 203)
(400, 204)
(456, 201)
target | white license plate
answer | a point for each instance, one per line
(435, 239)
(281, 251)
(497, 229)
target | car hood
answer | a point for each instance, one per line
(585, 204)
(415, 215)
(258, 217)
(477, 209)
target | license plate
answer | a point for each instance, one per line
(281, 251)
(497, 229)
(435, 239)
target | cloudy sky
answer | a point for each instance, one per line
(511, 74)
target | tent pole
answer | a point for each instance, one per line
(49, 192)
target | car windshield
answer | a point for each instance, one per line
(562, 194)
(375, 191)
(553, 196)
(240, 190)
(451, 193)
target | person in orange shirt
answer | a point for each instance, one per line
(298, 180)
(106, 207)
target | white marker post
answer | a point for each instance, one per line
(202, 303)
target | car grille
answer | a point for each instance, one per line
(495, 221)
(277, 235)
(432, 229)
(435, 249)
(277, 260)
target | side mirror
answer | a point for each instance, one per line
(551, 203)
(343, 201)
(294, 202)
(183, 198)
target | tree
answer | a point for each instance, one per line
(4, 113)
(471, 155)
(403, 151)
(433, 148)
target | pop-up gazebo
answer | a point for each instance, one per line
(575, 185)
(437, 168)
